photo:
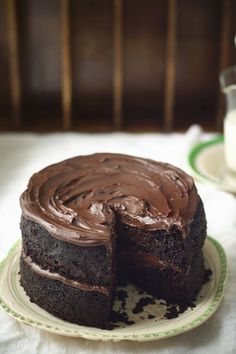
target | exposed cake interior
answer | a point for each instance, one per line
(91, 219)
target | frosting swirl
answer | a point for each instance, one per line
(79, 199)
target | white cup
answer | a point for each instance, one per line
(230, 139)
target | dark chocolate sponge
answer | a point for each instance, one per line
(67, 302)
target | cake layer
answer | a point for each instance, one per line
(172, 284)
(76, 200)
(89, 308)
(56, 276)
(94, 265)
(169, 246)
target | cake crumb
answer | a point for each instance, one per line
(171, 312)
(144, 301)
(174, 310)
(150, 316)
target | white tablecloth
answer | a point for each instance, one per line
(23, 154)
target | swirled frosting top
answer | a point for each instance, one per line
(79, 199)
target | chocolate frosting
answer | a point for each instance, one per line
(79, 199)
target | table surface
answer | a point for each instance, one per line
(23, 154)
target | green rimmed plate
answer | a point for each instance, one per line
(207, 164)
(17, 304)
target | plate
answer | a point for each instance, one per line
(16, 303)
(207, 164)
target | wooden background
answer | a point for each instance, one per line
(133, 65)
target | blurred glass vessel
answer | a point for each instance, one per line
(228, 86)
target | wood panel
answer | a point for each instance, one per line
(13, 55)
(197, 58)
(66, 65)
(92, 63)
(108, 65)
(5, 102)
(118, 65)
(170, 64)
(144, 63)
(40, 58)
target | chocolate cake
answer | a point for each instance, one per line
(91, 220)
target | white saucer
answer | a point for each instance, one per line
(207, 164)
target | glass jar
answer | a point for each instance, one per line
(228, 86)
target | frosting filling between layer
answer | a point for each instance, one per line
(55, 276)
(136, 260)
